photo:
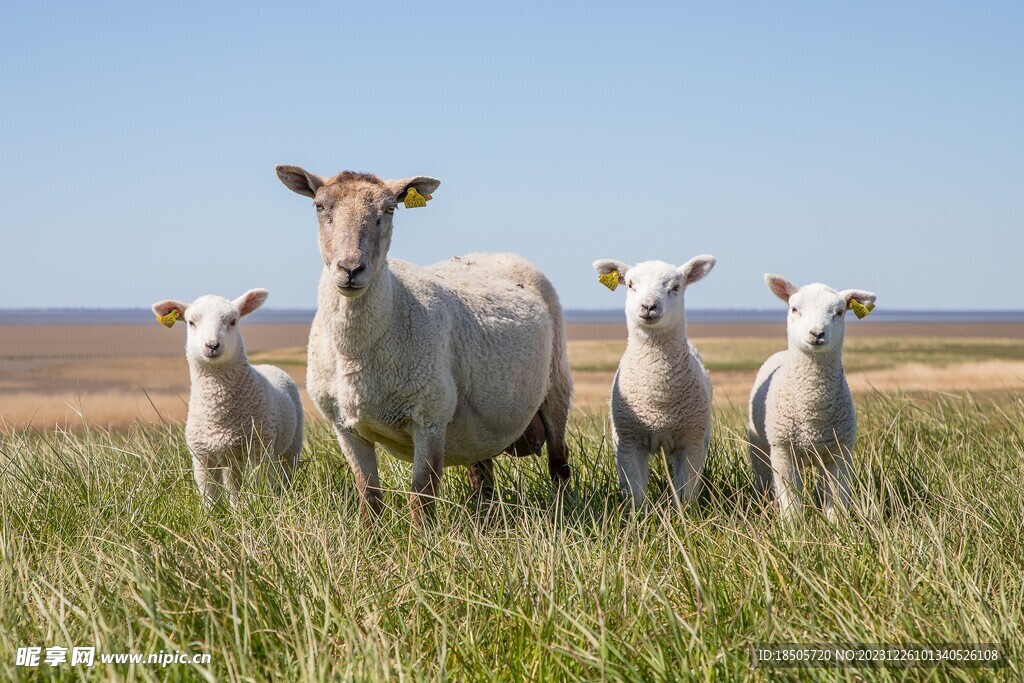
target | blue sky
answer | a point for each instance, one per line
(871, 145)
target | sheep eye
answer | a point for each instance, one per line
(629, 285)
(674, 289)
(232, 323)
(840, 312)
(793, 309)
(319, 208)
(191, 324)
(390, 209)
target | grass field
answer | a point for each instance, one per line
(105, 543)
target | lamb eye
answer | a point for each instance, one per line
(191, 324)
(319, 208)
(839, 312)
(629, 285)
(674, 289)
(232, 323)
(793, 309)
(390, 209)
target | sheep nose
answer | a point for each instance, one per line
(213, 346)
(817, 336)
(650, 311)
(350, 270)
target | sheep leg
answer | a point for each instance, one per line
(760, 461)
(834, 485)
(481, 478)
(427, 467)
(207, 479)
(233, 482)
(363, 460)
(634, 471)
(290, 458)
(687, 465)
(786, 476)
(554, 413)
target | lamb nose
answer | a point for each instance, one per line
(818, 336)
(213, 346)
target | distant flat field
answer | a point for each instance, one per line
(117, 374)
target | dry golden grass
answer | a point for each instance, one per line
(117, 375)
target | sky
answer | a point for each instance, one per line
(872, 145)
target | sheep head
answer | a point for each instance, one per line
(212, 335)
(654, 289)
(355, 212)
(817, 313)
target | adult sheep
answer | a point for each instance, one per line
(450, 364)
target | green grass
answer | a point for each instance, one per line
(105, 543)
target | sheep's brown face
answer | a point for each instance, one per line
(354, 212)
(355, 223)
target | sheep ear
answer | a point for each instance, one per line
(607, 265)
(299, 180)
(780, 286)
(169, 311)
(697, 268)
(162, 308)
(250, 301)
(610, 272)
(859, 295)
(425, 185)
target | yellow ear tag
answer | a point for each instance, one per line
(169, 319)
(859, 309)
(414, 199)
(609, 279)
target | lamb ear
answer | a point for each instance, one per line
(697, 268)
(162, 308)
(611, 272)
(299, 180)
(250, 301)
(607, 265)
(859, 295)
(780, 286)
(425, 185)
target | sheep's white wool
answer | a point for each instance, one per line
(661, 395)
(451, 364)
(239, 415)
(801, 411)
(471, 347)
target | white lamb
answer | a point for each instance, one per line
(446, 365)
(239, 415)
(661, 395)
(801, 411)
